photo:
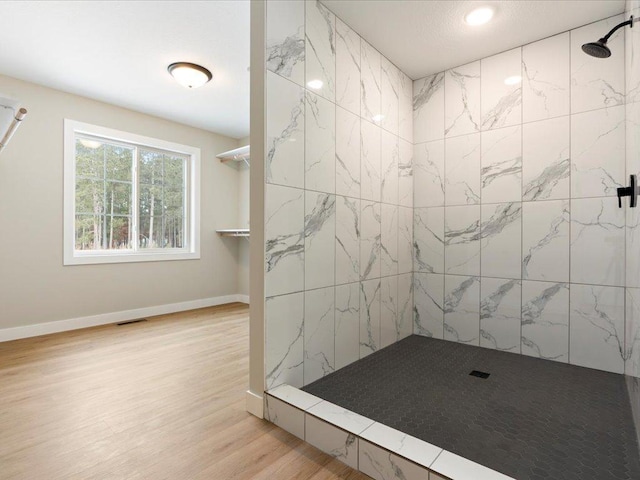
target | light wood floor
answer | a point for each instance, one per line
(163, 399)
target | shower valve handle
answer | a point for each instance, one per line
(630, 191)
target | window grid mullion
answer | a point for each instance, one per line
(135, 184)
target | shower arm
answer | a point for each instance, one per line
(614, 29)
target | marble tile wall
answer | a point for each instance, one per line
(339, 196)
(519, 244)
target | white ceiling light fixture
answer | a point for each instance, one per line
(315, 84)
(189, 75)
(479, 16)
(92, 144)
(513, 80)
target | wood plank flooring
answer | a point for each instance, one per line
(161, 399)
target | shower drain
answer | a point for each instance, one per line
(479, 374)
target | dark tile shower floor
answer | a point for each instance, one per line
(531, 419)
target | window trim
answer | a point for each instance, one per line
(71, 256)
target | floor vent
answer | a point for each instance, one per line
(129, 322)
(479, 374)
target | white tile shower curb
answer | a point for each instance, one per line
(375, 449)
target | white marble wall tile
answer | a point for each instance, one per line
(462, 170)
(389, 240)
(320, 46)
(285, 132)
(320, 144)
(597, 225)
(284, 240)
(596, 83)
(369, 316)
(462, 100)
(428, 317)
(405, 174)
(405, 113)
(370, 80)
(428, 174)
(500, 307)
(546, 75)
(546, 159)
(388, 310)
(501, 162)
(332, 440)
(370, 164)
(380, 464)
(285, 39)
(462, 309)
(632, 247)
(319, 333)
(501, 90)
(284, 319)
(389, 96)
(405, 240)
(389, 168)
(632, 59)
(501, 249)
(462, 240)
(395, 441)
(597, 327)
(429, 240)
(347, 153)
(370, 240)
(347, 240)
(428, 108)
(320, 234)
(598, 152)
(404, 319)
(632, 332)
(285, 416)
(347, 68)
(347, 324)
(545, 320)
(545, 240)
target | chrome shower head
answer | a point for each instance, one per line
(599, 49)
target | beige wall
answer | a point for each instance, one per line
(34, 285)
(243, 222)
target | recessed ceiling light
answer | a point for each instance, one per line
(315, 84)
(479, 16)
(378, 118)
(189, 75)
(513, 80)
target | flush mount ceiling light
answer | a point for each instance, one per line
(189, 75)
(513, 80)
(479, 16)
(315, 84)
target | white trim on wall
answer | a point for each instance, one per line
(38, 329)
(255, 404)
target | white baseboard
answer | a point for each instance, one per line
(255, 404)
(243, 299)
(38, 329)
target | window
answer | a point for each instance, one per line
(128, 198)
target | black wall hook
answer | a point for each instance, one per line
(630, 191)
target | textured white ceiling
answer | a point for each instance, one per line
(425, 37)
(118, 52)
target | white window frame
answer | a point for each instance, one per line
(191, 251)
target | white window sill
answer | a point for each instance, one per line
(92, 258)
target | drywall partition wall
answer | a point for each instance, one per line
(338, 221)
(519, 241)
(34, 285)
